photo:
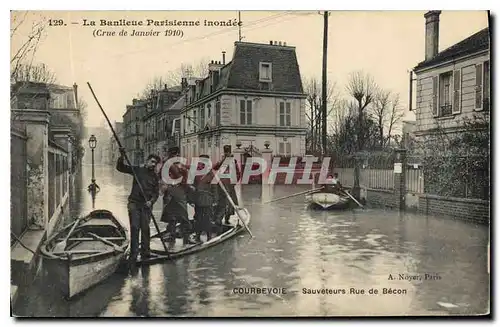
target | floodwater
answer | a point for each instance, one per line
(344, 256)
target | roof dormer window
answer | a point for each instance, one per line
(265, 72)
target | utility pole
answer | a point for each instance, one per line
(323, 89)
(239, 26)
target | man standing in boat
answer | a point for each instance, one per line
(224, 207)
(205, 198)
(175, 200)
(139, 204)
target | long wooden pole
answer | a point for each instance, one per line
(295, 194)
(131, 167)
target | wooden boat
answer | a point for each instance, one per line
(328, 201)
(85, 252)
(177, 249)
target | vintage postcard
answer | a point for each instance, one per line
(250, 163)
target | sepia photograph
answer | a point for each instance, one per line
(250, 163)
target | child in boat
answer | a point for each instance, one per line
(205, 197)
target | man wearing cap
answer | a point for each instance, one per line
(224, 207)
(140, 202)
(175, 199)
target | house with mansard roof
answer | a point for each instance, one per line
(452, 84)
(255, 99)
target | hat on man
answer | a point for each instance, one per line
(227, 148)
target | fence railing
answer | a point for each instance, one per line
(414, 179)
(18, 182)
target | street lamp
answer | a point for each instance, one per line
(93, 187)
(92, 145)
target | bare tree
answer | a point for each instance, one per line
(314, 103)
(387, 114)
(33, 73)
(174, 77)
(363, 89)
(25, 40)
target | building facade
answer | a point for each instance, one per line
(133, 130)
(255, 98)
(114, 151)
(452, 84)
(166, 105)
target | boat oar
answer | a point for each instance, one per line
(115, 246)
(354, 199)
(61, 246)
(232, 203)
(295, 194)
(131, 167)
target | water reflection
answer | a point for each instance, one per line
(294, 248)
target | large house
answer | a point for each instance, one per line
(452, 84)
(255, 99)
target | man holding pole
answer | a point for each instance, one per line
(139, 205)
(224, 208)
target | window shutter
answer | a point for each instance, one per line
(242, 112)
(486, 85)
(479, 88)
(249, 113)
(457, 94)
(288, 114)
(288, 148)
(282, 148)
(434, 103)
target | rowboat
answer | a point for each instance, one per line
(177, 250)
(328, 201)
(86, 252)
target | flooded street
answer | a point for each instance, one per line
(298, 251)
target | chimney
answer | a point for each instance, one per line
(431, 33)
(214, 65)
(75, 91)
(284, 44)
(279, 43)
(184, 83)
(166, 87)
(275, 42)
(223, 57)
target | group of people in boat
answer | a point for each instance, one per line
(212, 206)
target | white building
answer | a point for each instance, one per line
(255, 98)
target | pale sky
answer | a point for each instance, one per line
(385, 44)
